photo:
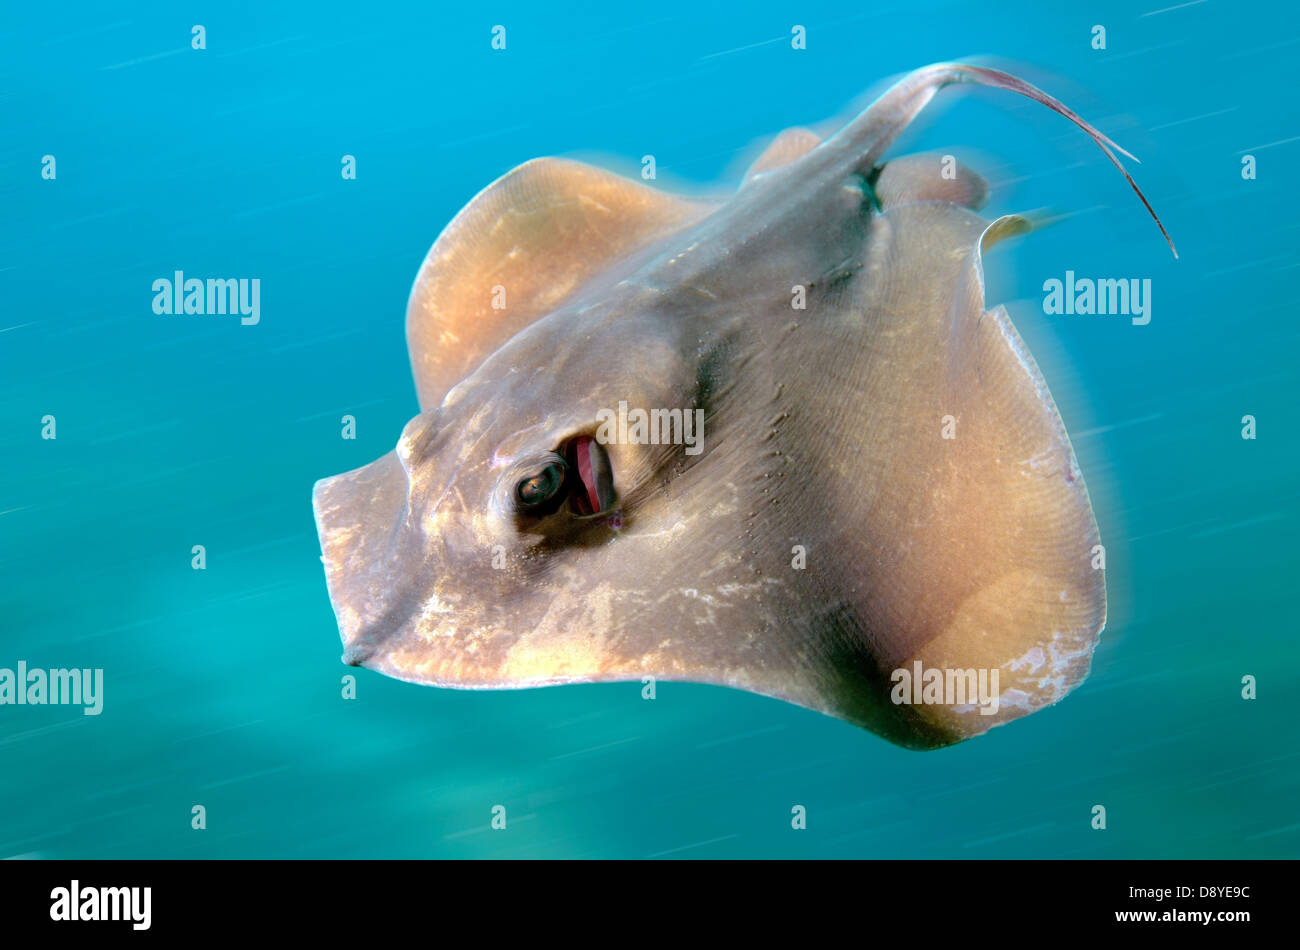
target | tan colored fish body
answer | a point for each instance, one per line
(882, 479)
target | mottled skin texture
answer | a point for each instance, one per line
(823, 430)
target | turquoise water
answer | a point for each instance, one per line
(222, 686)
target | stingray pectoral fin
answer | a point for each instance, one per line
(978, 536)
(516, 251)
(790, 146)
(1037, 612)
(1024, 511)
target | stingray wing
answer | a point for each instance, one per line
(517, 251)
(969, 536)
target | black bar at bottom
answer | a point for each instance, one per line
(924, 899)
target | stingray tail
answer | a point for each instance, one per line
(889, 115)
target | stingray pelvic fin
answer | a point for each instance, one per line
(929, 177)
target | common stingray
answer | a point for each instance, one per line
(882, 481)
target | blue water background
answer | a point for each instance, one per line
(223, 686)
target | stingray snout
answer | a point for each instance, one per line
(359, 517)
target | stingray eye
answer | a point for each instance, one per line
(536, 490)
(592, 477)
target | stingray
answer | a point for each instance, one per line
(880, 479)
